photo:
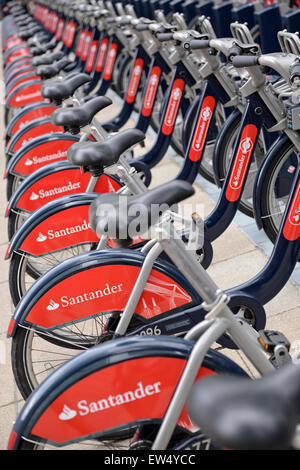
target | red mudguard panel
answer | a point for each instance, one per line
(104, 289)
(62, 183)
(125, 392)
(27, 95)
(64, 229)
(36, 113)
(41, 155)
(36, 131)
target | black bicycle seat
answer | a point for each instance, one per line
(41, 49)
(73, 118)
(59, 90)
(121, 216)
(243, 414)
(102, 154)
(49, 71)
(47, 59)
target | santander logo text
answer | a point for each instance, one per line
(52, 234)
(241, 162)
(84, 408)
(46, 158)
(42, 193)
(66, 301)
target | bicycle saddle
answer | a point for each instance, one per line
(42, 49)
(243, 414)
(49, 71)
(58, 90)
(47, 59)
(102, 154)
(121, 216)
(74, 118)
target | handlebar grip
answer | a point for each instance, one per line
(197, 44)
(164, 36)
(245, 61)
(141, 27)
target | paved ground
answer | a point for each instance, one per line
(239, 254)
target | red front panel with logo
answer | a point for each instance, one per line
(86, 47)
(125, 392)
(202, 127)
(134, 80)
(110, 61)
(71, 35)
(151, 91)
(41, 155)
(241, 164)
(80, 43)
(92, 56)
(291, 230)
(38, 130)
(101, 55)
(31, 115)
(59, 30)
(173, 106)
(27, 95)
(62, 183)
(102, 289)
(66, 33)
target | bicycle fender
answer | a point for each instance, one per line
(148, 370)
(27, 114)
(219, 142)
(57, 225)
(53, 181)
(25, 93)
(39, 152)
(275, 147)
(30, 131)
(105, 279)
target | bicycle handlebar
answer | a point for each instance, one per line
(245, 61)
(141, 27)
(164, 36)
(197, 44)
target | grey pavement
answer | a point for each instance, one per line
(239, 254)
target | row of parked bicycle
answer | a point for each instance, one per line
(84, 267)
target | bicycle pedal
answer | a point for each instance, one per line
(269, 339)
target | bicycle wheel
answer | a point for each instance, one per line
(276, 187)
(34, 355)
(13, 182)
(15, 220)
(225, 155)
(25, 269)
(125, 383)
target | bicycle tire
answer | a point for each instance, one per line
(281, 167)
